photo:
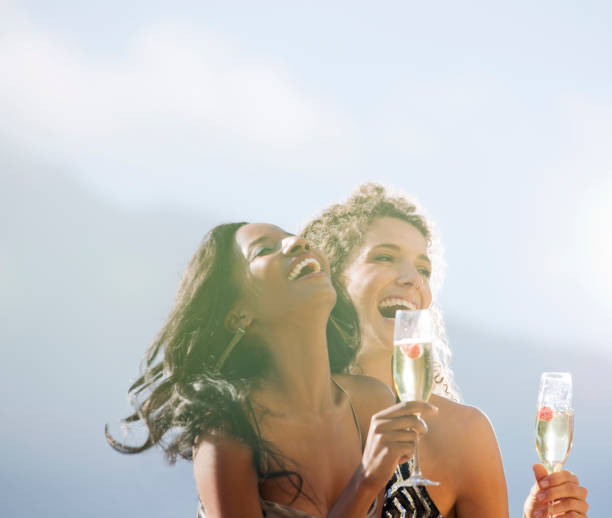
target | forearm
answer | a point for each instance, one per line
(357, 498)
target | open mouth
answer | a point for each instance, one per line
(303, 268)
(387, 307)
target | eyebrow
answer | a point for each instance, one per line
(396, 248)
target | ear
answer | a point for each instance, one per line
(237, 317)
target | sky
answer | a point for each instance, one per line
(496, 117)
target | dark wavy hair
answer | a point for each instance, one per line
(182, 394)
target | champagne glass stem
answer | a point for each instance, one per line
(416, 465)
(413, 372)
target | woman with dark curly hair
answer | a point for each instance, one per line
(245, 378)
(387, 256)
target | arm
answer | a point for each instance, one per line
(390, 441)
(378, 416)
(226, 479)
(561, 487)
(482, 489)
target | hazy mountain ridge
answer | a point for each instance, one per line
(87, 286)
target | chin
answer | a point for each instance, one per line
(325, 299)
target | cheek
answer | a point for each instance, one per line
(361, 294)
(426, 295)
(262, 288)
(356, 287)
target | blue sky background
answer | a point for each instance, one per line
(168, 118)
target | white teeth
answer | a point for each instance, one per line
(297, 269)
(393, 301)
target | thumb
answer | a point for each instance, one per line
(540, 472)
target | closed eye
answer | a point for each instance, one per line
(264, 251)
(384, 258)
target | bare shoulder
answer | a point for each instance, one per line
(460, 416)
(366, 392)
(464, 437)
(368, 396)
(220, 448)
(461, 431)
(220, 464)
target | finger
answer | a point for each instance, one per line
(563, 491)
(408, 408)
(561, 477)
(402, 452)
(569, 505)
(540, 473)
(546, 480)
(421, 407)
(399, 437)
(397, 446)
(412, 422)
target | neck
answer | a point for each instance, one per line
(376, 364)
(300, 379)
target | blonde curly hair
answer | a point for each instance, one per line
(342, 227)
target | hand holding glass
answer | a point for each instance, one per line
(413, 371)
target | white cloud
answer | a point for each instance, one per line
(591, 210)
(170, 84)
(572, 217)
(593, 232)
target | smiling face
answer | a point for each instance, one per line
(281, 274)
(389, 271)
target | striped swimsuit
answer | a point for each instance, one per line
(408, 502)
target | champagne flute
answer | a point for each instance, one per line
(554, 428)
(413, 372)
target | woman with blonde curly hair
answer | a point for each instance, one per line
(387, 256)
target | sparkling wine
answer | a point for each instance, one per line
(413, 374)
(413, 370)
(554, 433)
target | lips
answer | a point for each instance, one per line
(389, 305)
(304, 267)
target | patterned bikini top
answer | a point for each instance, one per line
(407, 502)
(275, 510)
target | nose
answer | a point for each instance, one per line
(292, 245)
(409, 276)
